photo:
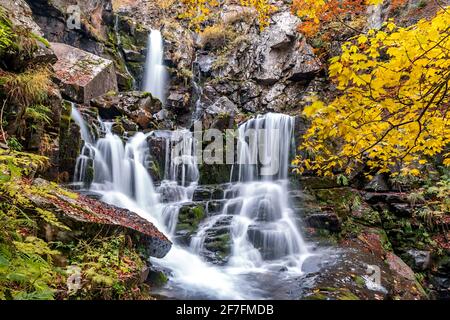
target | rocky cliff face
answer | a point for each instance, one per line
(231, 67)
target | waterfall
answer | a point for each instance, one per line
(122, 179)
(86, 155)
(180, 173)
(264, 236)
(155, 75)
(197, 92)
(263, 230)
(84, 130)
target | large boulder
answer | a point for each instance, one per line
(89, 217)
(220, 115)
(82, 75)
(282, 53)
(19, 14)
(139, 107)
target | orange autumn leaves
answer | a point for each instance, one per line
(316, 13)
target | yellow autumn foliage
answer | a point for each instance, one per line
(198, 11)
(392, 113)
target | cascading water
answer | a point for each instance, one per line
(87, 152)
(155, 75)
(264, 236)
(180, 173)
(263, 230)
(263, 233)
(122, 179)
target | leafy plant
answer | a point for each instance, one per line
(38, 113)
(6, 34)
(14, 144)
(28, 88)
(390, 114)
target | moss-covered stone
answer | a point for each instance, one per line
(214, 174)
(189, 217)
(157, 278)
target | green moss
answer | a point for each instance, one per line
(199, 213)
(190, 217)
(360, 282)
(214, 174)
(146, 95)
(40, 39)
(158, 278)
(317, 296)
(347, 295)
(221, 244)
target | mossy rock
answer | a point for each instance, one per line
(157, 278)
(214, 174)
(189, 217)
(220, 244)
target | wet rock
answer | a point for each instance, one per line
(82, 75)
(202, 193)
(88, 217)
(157, 277)
(190, 216)
(215, 206)
(233, 206)
(139, 107)
(401, 209)
(419, 260)
(215, 246)
(214, 174)
(220, 115)
(378, 183)
(324, 220)
(218, 193)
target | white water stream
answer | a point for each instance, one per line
(155, 74)
(264, 234)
